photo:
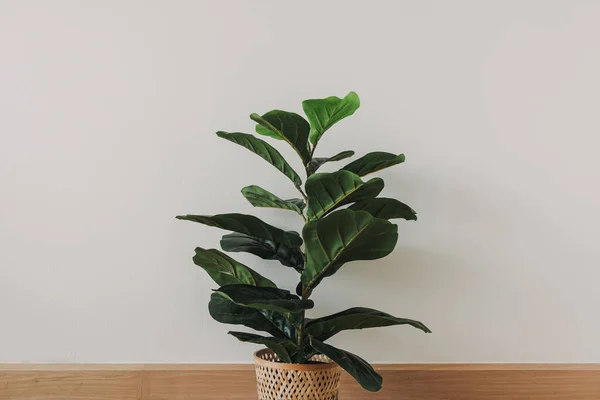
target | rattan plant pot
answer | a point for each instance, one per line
(279, 381)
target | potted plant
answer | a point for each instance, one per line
(297, 363)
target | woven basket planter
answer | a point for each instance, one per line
(279, 381)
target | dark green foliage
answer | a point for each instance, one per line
(260, 197)
(265, 298)
(328, 191)
(374, 162)
(226, 271)
(247, 224)
(385, 208)
(224, 310)
(286, 126)
(358, 368)
(344, 236)
(265, 249)
(332, 237)
(355, 318)
(316, 163)
(285, 349)
(264, 150)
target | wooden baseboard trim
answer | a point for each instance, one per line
(236, 382)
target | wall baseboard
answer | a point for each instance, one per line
(236, 382)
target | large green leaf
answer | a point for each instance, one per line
(358, 368)
(344, 236)
(286, 126)
(373, 162)
(323, 113)
(265, 249)
(316, 163)
(329, 190)
(265, 150)
(355, 318)
(260, 197)
(247, 224)
(385, 208)
(224, 270)
(224, 310)
(285, 349)
(265, 298)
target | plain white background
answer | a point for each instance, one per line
(107, 117)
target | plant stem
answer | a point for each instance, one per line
(306, 167)
(302, 193)
(304, 296)
(301, 330)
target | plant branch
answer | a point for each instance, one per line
(307, 170)
(303, 217)
(302, 321)
(312, 150)
(301, 329)
(306, 292)
(302, 193)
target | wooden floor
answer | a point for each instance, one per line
(236, 382)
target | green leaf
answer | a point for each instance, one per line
(355, 318)
(284, 348)
(224, 270)
(323, 113)
(265, 298)
(316, 163)
(373, 162)
(223, 310)
(298, 203)
(385, 208)
(265, 249)
(344, 236)
(341, 155)
(282, 323)
(330, 190)
(260, 197)
(247, 224)
(265, 150)
(358, 368)
(287, 126)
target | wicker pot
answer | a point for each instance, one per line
(279, 381)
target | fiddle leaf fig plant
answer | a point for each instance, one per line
(344, 220)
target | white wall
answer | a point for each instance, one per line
(107, 117)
